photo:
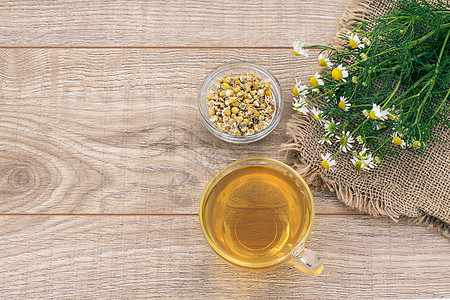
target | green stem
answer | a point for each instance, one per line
(433, 80)
(381, 145)
(311, 100)
(329, 48)
(321, 47)
(415, 42)
(418, 41)
(420, 133)
(367, 119)
(412, 106)
(412, 87)
(362, 105)
(396, 18)
(374, 137)
(387, 60)
(415, 19)
(440, 106)
(406, 99)
(386, 102)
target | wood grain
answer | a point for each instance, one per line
(135, 257)
(118, 131)
(161, 23)
(103, 157)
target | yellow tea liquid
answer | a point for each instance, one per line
(256, 215)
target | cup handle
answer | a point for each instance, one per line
(306, 260)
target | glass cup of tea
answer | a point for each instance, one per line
(257, 213)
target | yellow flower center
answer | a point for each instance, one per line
(313, 81)
(353, 43)
(397, 141)
(359, 165)
(343, 141)
(341, 104)
(416, 144)
(372, 115)
(322, 62)
(317, 118)
(296, 53)
(325, 164)
(337, 74)
(295, 91)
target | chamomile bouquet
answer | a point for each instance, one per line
(386, 89)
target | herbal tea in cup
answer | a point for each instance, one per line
(257, 213)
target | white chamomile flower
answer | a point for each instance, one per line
(364, 154)
(360, 139)
(359, 165)
(366, 41)
(317, 113)
(326, 139)
(370, 164)
(300, 90)
(363, 165)
(299, 49)
(315, 91)
(377, 113)
(327, 161)
(363, 56)
(354, 40)
(393, 114)
(344, 104)
(416, 144)
(330, 126)
(316, 80)
(363, 160)
(378, 125)
(345, 141)
(329, 96)
(300, 105)
(339, 73)
(397, 140)
(324, 62)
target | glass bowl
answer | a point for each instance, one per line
(233, 69)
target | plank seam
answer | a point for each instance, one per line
(139, 215)
(149, 47)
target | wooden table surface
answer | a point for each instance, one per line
(103, 156)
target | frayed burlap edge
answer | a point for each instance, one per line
(355, 9)
(311, 172)
(359, 9)
(314, 176)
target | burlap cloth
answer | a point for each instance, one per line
(402, 186)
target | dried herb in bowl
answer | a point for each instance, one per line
(241, 105)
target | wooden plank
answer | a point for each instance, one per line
(118, 131)
(123, 257)
(202, 23)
